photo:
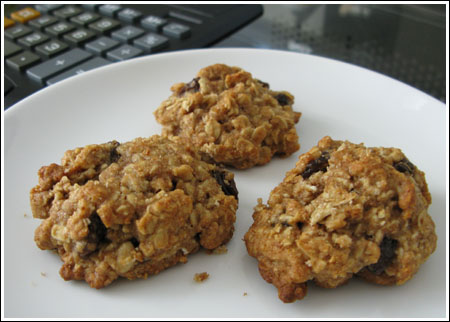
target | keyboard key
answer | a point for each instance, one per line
(11, 48)
(8, 23)
(79, 36)
(177, 30)
(123, 52)
(25, 14)
(85, 18)
(128, 33)
(43, 21)
(59, 28)
(58, 64)
(109, 9)
(129, 15)
(67, 12)
(22, 60)
(84, 67)
(153, 23)
(51, 48)
(101, 45)
(33, 39)
(104, 25)
(90, 6)
(9, 85)
(47, 7)
(151, 42)
(17, 31)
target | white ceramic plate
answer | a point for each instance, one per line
(117, 102)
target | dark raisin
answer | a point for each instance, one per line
(97, 230)
(387, 255)
(282, 99)
(316, 165)
(193, 86)
(397, 210)
(263, 84)
(135, 242)
(114, 156)
(404, 166)
(174, 184)
(197, 237)
(228, 187)
(299, 225)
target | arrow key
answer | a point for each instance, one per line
(23, 60)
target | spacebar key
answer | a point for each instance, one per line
(57, 65)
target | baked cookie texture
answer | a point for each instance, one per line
(344, 210)
(231, 118)
(131, 209)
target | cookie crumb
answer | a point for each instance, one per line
(200, 277)
(245, 294)
(25, 215)
(218, 251)
(44, 274)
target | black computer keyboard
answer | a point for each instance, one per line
(46, 43)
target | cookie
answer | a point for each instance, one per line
(231, 118)
(344, 210)
(131, 209)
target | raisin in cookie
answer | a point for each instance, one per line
(232, 118)
(131, 209)
(343, 210)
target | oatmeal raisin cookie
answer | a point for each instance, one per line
(131, 209)
(232, 118)
(344, 210)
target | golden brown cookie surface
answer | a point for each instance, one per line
(131, 209)
(232, 118)
(343, 210)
